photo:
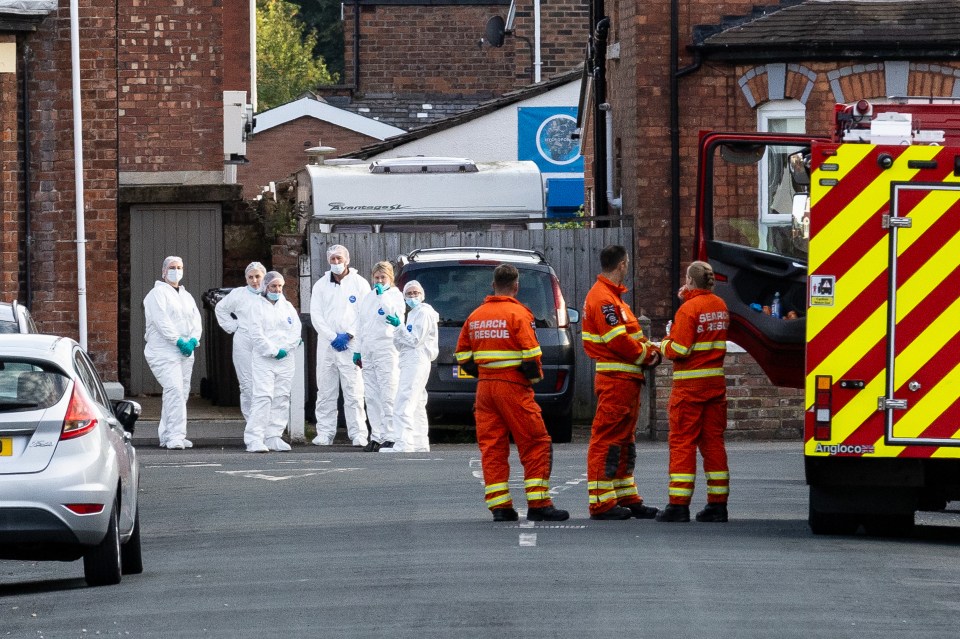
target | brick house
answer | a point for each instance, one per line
(740, 67)
(282, 134)
(153, 75)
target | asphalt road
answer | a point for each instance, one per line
(345, 544)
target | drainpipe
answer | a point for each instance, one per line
(599, 121)
(537, 63)
(28, 250)
(78, 174)
(356, 45)
(675, 75)
(615, 202)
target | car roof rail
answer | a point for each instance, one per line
(477, 252)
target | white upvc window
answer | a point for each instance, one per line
(775, 193)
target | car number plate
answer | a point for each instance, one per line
(459, 373)
(6, 447)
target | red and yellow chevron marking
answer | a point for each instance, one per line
(848, 340)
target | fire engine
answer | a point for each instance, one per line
(856, 237)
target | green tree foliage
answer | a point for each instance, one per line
(285, 63)
(324, 17)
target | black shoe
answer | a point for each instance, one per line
(713, 513)
(615, 513)
(505, 514)
(547, 513)
(640, 511)
(674, 512)
(385, 445)
(371, 447)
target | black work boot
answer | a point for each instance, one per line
(385, 445)
(371, 447)
(547, 513)
(640, 511)
(617, 512)
(714, 512)
(674, 512)
(505, 514)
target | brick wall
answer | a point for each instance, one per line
(53, 197)
(278, 152)
(236, 47)
(170, 94)
(409, 49)
(11, 227)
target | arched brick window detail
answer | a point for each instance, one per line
(777, 81)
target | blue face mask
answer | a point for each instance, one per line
(253, 290)
(273, 297)
(412, 301)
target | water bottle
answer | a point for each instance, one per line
(775, 305)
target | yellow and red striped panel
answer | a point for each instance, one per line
(850, 194)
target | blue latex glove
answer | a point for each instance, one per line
(378, 287)
(340, 342)
(393, 320)
(184, 347)
(357, 360)
(281, 354)
(193, 343)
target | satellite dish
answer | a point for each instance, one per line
(493, 34)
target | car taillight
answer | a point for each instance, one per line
(85, 509)
(821, 407)
(562, 320)
(561, 378)
(81, 417)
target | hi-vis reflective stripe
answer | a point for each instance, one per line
(847, 332)
(625, 487)
(621, 367)
(608, 336)
(682, 477)
(677, 491)
(498, 499)
(496, 488)
(717, 475)
(496, 355)
(463, 356)
(698, 373)
(607, 486)
(680, 348)
(717, 490)
(710, 346)
(537, 488)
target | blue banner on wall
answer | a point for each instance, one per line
(543, 135)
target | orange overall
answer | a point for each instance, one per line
(613, 337)
(499, 338)
(698, 402)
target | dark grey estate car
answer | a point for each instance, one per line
(455, 281)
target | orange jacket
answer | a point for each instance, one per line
(697, 342)
(611, 334)
(500, 338)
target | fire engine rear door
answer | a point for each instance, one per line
(922, 391)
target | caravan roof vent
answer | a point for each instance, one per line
(424, 165)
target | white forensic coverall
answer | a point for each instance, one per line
(417, 340)
(380, 360)
(171, 313)
(240, 301)
(273, 326)
(334, 309)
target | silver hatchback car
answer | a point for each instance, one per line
(68, 468)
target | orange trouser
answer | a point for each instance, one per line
(612, 453)
(503, 409)
(698, 419)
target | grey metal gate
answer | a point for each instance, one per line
(195, 233)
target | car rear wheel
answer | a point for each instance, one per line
(131, 558)
(101, 563)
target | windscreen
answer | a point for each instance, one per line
(27, 386)
(456, 291)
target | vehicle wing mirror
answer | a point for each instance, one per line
(573, 315)
(127, 412)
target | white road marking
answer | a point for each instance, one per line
(194, 465)
(263, 474)
(528, 539)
